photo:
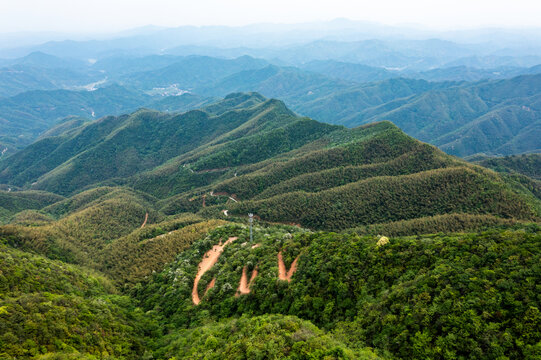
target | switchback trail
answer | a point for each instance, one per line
(209, 259)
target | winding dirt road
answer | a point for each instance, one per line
(209, 259)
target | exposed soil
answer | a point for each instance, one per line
(244, 285)
(145, 222)
(210, 286)
(283, 274)
(209, 259)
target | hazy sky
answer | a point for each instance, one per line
(107, 15)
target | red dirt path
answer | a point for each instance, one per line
(209, 259)
(244, 285)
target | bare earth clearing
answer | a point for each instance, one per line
(211, 257)
(244, 285)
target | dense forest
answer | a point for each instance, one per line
(128, 238)
(428, 296)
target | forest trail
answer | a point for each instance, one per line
(209, 259)
(283, 274)
(145, 221)
(244, 285)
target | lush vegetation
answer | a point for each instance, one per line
(437, 296)
(528, 164)
(245, 154)
(49, 308)
(107, 269)
(12, 202)
(260, 337)
(448, 223)
(382, 199)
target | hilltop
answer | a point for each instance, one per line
(271, 161)
(462, 110)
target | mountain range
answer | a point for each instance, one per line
(127, 236)
(329, 190)
(496, 117)
(263, 153)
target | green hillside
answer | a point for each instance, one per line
(139, 248)
(260, 337)
(430, 296)
(12, 202)
(528, 164)
(119, 147)
(271, 162)
(28, 115)
(49, 309)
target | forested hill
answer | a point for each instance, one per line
(121, 146)
(247, 153)
(527, 164)
(107, 226)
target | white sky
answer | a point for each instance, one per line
(111, 15)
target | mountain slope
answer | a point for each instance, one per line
(408, 297)
(50, 309)
(529, 164)
(126, 145)
(250, 154)
(497, 117)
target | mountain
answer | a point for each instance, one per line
(26, 116)
(521, 170)
(275, 162)
(389, 295)
(142, 238)
(191, 72)
(47, 61)
(79, 313)
(69, 308)
(40, 71)
(493, 116)
(116, 66)
(462, 118)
